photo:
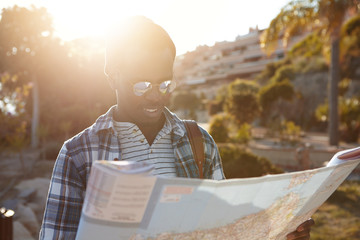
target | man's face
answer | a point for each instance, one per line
(143, 66)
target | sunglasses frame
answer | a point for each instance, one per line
(172, 86)
(140, 92)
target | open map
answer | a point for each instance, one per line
(125, 204)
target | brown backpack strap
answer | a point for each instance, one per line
(196, 141)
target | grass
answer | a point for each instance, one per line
(339, 217)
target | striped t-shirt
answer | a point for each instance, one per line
(134, 147)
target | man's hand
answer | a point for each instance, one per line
(302, 232)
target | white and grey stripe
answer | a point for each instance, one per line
(134, 147)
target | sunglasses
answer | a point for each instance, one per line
(165, 87)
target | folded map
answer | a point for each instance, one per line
(123, 201)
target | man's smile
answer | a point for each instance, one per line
(151, 110)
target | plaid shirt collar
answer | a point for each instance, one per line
(105, 123)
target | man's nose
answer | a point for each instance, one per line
(153, 94)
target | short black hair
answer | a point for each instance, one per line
(136, 32)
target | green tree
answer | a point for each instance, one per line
(218, 128)
(307, 55)
(214, 107)
(242, 85)
(310, 46)
(349, 117)
(243, 135)
(24, 35)
(67, 77)
(350, 47)
(13, 118)
(242, 101)
(272, 93)
(327, 15)
(283, 73)
(187, 101)
(73, 86)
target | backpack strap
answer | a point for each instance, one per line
(196, 141)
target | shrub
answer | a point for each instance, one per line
(242, 102)
(270, 70)
(244, 107)
(286, 72)
(243, 134)
(349, 109)
(239, 163)
(214, 107)
(243, 86)
(290, 132)
(275, 91)
(315, 64)
(218, 129)
(185, 100)
(348, 192)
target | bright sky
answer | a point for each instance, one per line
(190, 23)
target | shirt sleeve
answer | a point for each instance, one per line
(65, 199)
(217, 169)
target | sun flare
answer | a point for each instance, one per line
(189, 23)
(91, 18)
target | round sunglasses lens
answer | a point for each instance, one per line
(166, 86)
(163, 87)
(141, 87)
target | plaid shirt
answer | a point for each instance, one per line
(73, 165)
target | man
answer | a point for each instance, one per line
(139, 66)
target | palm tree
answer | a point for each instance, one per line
(327, 16)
